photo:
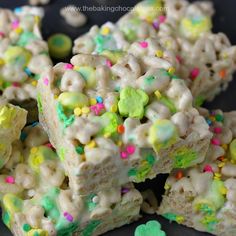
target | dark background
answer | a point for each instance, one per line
(224, 20)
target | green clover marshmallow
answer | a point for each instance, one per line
(151, 228)
(132, 102)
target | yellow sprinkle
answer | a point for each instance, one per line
(83, 157)
(77, 111)
(218, 175)
(18, 30)
(159, 53)
(216, 178)
(212, 118)
(179, 219)
(171, 70)
(158, 94)
(223, 190)
(119, 143)
(114, 108)
(85, 110)
(34, 83)
(55, 96)
(93, 101)
(107, 135)
(167, 186)
(92, 144)
(2, 62)
(225, 146)
(221, 164)
(33, 149)
(105, 30)
(37, 19)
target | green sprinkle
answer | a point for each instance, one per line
(219, 117)
(89, 229)
(6, 218)
(61, 154)
(170, 216)
(199, 100)
(149, 79)
(80, 150)
(132, 172)
(26, 227)
(39, 101)
(150, 159)
(89, 202)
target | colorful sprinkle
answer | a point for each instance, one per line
(45, 81)
(219, 117)
(179, 175)
(120, 129)
(194, 73)
(130, 149)
(162, 19)
(208, 168)
(26, 227)
(143, 44)
(215, 141)
(125, 190)
(108, 63)
(217, 130)
(99, 99)
(68, 216)
(222, 73)
(10, 180)
(68, 66)
(124, 155)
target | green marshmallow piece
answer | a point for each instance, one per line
(59, 46)
(17, 55)
(71, 100)
(88, 74)
(151, 228)
(25, 38)
(132, 102)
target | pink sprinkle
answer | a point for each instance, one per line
(179, 59)
(208, 168)
(217, 130)
(68, 216)
(49, 145)
(68, 66)
(123, 155)
(10, 180)
(15, 24)
(143, 44)
(97, 108)
(194, 73)
(2, 34)
(108, 63)
(130, 149)
(100, 106)
(16, 84)
(215, 141)
(46, 81)
(162, 19)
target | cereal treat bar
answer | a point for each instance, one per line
(205, 60)
(23, 55)
(203, 197)
(12, 120)
(36, 198)
(113, 124)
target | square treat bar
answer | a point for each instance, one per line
(23, 55)
(36, 198)
(12, 120)
(114, 124)
(205, 60)
(204, 197)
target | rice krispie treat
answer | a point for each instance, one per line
(23, 55)
(203, 197)
(117, 123)
(204, 59)
(36, 198)
(12, 120)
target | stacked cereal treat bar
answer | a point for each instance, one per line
(37, 200)
(12, 120)
(205, 60)
(203, 197)
(113, 124)
(23, 55)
